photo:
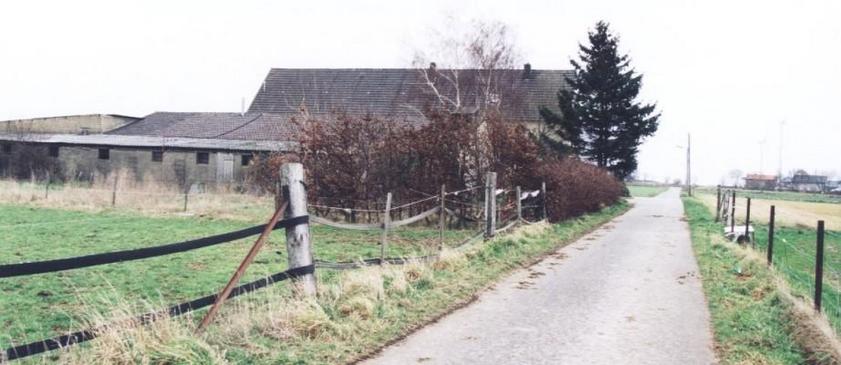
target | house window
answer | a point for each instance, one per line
(246, 159)
(104, 154)
(202, 158)
(157, 156)
(53, 151)
(7, 148)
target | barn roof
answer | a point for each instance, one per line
(761, 177)
(399, 92)
(151, 142)
(226, 126)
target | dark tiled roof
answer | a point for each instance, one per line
(234, 126)
(399, 92)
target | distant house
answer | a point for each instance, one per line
(803, 182)
(761, 182)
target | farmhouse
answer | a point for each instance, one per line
(206, 149)
(761, 182)
(803, 182)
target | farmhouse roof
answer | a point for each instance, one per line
(225, 126)
(151, 142)
(761, 177)
(400, 92)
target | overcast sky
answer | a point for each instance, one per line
(729, 72)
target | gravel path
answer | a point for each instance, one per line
(628, 293)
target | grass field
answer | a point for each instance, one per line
(356, 311)
(782, 195)
(795, 244)
(750, 322)
(645, 191)
(788, 212)
(34, 307)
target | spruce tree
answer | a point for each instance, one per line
(600, 118)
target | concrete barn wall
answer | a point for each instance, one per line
(74, 124)
(83, 163)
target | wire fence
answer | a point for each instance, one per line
(807, 256)
(446, 210)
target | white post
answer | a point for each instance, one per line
(519, 205)
(297, 238)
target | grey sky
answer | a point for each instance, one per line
(726, 71)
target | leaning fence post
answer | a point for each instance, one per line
(819, 267)
(747, 224)
(718, 203)
(771, 236)
(490, 204)
(298, 243)
(543, 199)
(386, 222)
(519, 205)
(441, 218)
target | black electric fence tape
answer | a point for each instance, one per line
(40, 267)
(74, 338)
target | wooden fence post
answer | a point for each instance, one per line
(298, 243)
(519, 205)
(490, 205)
(771, 236)
(543, 199)
(441, 218)
(819, 267)
(386, 221)
(186, 196)
(114, 192)
(718, 203)
(733, 212)
(747, 224)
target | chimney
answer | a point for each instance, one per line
(242, 107)
(432, 66)
(527, 71)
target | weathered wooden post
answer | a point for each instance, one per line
(733, 212)
(543, 199)
(114, 192)
(747, 223)
(441, 218)
(519, 205)
(718, 203)
(819, 267)
(771, 236)
(298, 243)
(386, 222)
(490, 205)
(47, 187)
(186, 197)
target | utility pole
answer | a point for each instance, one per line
(688, 164)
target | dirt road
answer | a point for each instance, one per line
(628, 293)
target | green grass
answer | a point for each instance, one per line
(750, 321)
(794, 257)
(645, 191)
(40, 306)
(347, 321)
(782, 195)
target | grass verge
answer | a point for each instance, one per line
(354, 315)
(755, 318)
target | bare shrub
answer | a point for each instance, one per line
(576, 187)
